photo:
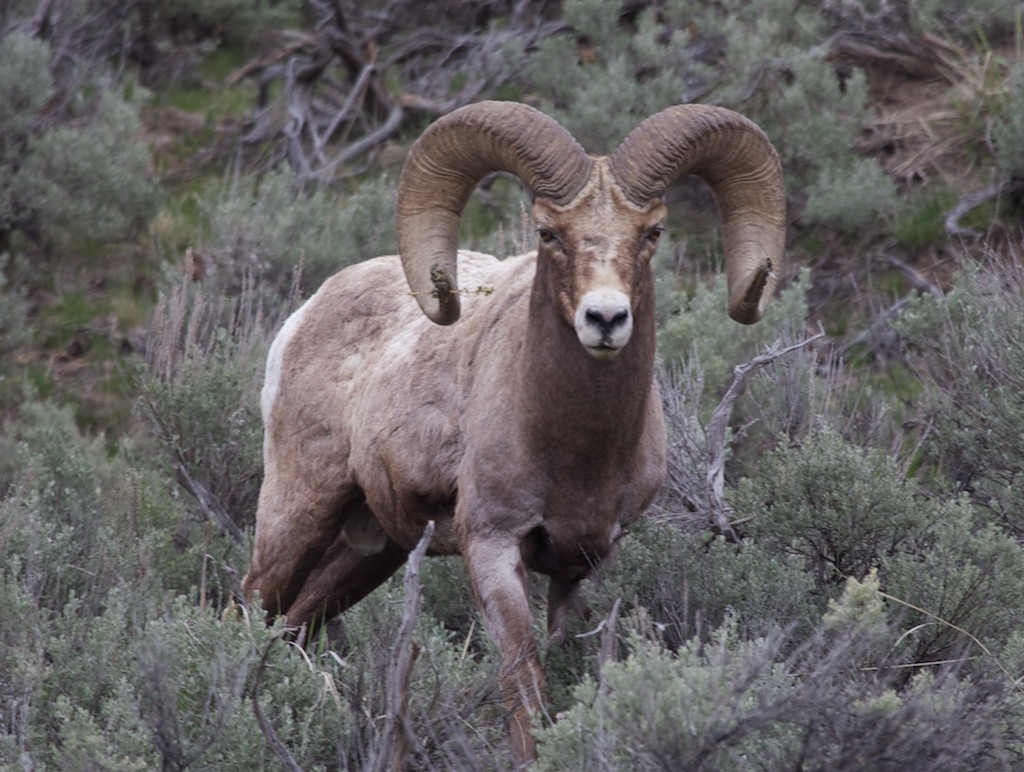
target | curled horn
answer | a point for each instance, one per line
(735, 158)
(442, 170)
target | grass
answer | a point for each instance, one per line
(920, 223)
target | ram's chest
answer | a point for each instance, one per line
(569, 547)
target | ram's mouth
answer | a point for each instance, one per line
(603, 352)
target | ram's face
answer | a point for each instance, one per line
(595, 254)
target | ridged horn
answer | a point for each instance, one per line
(737, 161)
(442, 170)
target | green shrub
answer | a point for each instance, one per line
(265, 229)
(967, 349)
(764, 60)
(852, 197)
(93, 180)
(968, 575)
(690, 582)
(701, 333)
(831, 701)
(14, 328)
(987, 17)
(85, 177)
(1008, 126)
(671, 53)
(659, 709)
(838, 508)
(200, 398)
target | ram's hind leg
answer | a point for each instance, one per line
(294, 528)
(303, 564)
(343, 577)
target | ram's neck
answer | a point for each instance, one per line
(593, 411)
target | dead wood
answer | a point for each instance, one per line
(269, 733)
(393, 749)
(717, 507)
(973, 200)
(355, 79)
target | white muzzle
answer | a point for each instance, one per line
(604, 322)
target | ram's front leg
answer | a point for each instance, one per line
(500, 581)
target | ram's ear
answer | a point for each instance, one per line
(444, 167)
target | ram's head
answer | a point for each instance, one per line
(598, 219)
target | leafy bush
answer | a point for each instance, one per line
(1008, 126)
(851, 197)
(719, 705)
(837, 507)
(114, 650)
(200, 397)
(700, 333)
(968, 350)
(977, 590)
(689, 583)
(87, 177)
(735, 54)
(267, 230)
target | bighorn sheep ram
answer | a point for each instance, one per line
(532, 431)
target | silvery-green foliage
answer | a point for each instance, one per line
(814, 119)
(1008, 126)
(693, 708)
(25, 86)
(958, 20)
(967, 347)
(968, 574)
(91, 180)
(851, 196)
(85, 177)
(764, 60)
(701, 331)
(828, 702)
(690, 581)
(14, 329)
(838, 508)
(268, 230)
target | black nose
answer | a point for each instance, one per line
(604, 323)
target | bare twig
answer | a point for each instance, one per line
(211, 506)
(393, 747)
(718, 508)
(280, 749)
(973, 200)
(915, 277)
(608, 647)
(336, 113)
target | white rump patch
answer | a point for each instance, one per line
(275, 359)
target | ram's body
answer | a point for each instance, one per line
(531, 431)
(385, 421)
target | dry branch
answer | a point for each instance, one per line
(718, 508)
(393, 747)
(973, 200)
(210, 504)
(336, 112)
(279, 748)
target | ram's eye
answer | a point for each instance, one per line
(655, 233)
(546, 236)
